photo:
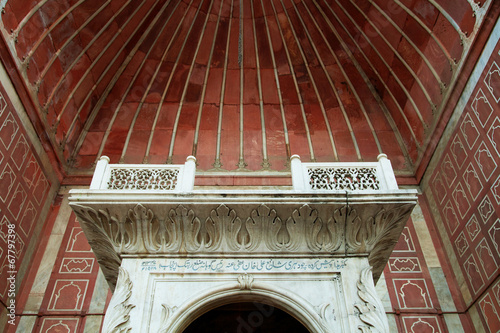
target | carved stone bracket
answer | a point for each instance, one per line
(379, 232)
(100, 228)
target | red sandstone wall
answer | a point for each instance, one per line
(465, 199)
(67, 305)
(411, 291)
(25, 194)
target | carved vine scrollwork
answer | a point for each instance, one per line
(371, 311)
(143, 179)
(118, 314)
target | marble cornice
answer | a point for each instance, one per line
(235, 223)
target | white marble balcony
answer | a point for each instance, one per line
(349, 215)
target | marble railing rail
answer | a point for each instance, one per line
(336, 176)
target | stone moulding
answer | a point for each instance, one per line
(266, 223)
(179, 313)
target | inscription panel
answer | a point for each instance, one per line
(241, 265)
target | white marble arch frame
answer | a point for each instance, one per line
(294, 305)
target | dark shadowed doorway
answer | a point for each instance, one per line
(246, 318)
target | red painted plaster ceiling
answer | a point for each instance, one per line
(240, 84)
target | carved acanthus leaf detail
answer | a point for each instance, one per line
(243, 238)
(330, 237)
(355, 236)
(263, 223)
(386, 227)
(118, 314)
(138, 229)
(104, 240)
(222, 225)
(371, 312)
(304, 226)
(187, 233)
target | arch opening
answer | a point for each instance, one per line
(295, 307)
(246, 317)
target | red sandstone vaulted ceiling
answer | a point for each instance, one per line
(241, 84)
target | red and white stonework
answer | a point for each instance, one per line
(24, 188)
(244, 85)
(466, 193)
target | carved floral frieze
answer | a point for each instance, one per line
(182, 231)
(189, 229)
